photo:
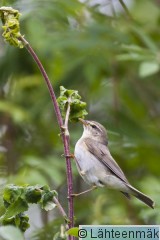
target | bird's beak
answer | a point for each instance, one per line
(83, 121)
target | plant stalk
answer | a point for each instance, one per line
(61, 210)
(67, 119)
(64, 136)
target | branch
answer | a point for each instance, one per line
(64, 136)
(46, 78)
(61, 210)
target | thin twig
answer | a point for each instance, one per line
(61, 210)
(51, 91)
(64, 137)
(67, 118)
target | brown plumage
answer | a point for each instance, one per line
(94, 160)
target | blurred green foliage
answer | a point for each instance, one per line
(10, 232)
(113, 61)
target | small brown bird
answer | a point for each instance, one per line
(96, 165)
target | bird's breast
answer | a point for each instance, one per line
(89, 167)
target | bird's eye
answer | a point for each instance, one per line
(93, 126)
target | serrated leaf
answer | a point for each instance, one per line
(33, 194)
(73, 231)
(44, 188)
(47, 200)
(17, 207)
(24, 225)
(148, 68)
(12, 193)
(10, 233)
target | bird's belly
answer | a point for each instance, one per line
(90, 168)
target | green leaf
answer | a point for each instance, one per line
(73, 231)
(21, 221)
(12, 193)
(10, 233)
(33, 194)
(47, 200)
(49, 206)
(23, 224)
(14, 221)
(148, 68)
(17, 207)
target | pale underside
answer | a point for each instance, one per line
(93, 170)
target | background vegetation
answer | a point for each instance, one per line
(113, 59)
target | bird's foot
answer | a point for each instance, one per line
(82, 172)
(88, 190)
(71, 155)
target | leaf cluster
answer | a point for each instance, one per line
(17, 199)
(10, 19)
(72, 98)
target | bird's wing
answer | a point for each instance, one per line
(103, 154)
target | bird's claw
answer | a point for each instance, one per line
(71, 155)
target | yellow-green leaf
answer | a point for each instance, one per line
(73, 231)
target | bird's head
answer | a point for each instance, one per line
(94, 130)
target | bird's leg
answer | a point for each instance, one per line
(89, 190)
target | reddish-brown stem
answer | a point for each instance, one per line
(61, 210)
(64, 136)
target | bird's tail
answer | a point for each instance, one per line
(148, 201)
